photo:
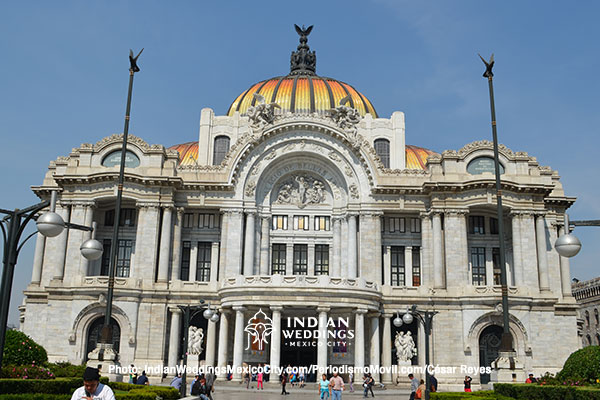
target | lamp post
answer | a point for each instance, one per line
(105, 343)
(49, 224)
(426, 318)
(190, 312)
(568, 245)
(506, 344)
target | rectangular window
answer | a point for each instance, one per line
(322, 223)
(415, 225)
(127, 217)
(416, 266)
(123, 258)
(476, 225)
(280, 222)
(398, 271)
(301, 222)
(105, 256)
(203, 263)
(321, 259)
(278, 259)
(206, 221)
(496, 264)
(188, 220)
(397, 224)
(494, 226)
(300, 259)
(186, 252)
(478, 265)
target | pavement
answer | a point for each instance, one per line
(231, 391)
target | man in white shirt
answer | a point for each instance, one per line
(92, 389)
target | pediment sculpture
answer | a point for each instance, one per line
(301, 190)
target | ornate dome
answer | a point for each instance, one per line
(303, 91)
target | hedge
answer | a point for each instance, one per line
(20, 349)
(52, 386)
(481, 395)
(582, 365)
(546, 392)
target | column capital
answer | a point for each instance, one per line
(239, 308)
(375, 314)
(180, 210)
(168, 206)
(232, 211)
(276, 308)
(360, 311)
(387, 314)
(82, 203)
(352, 214)
(323, 309)
(265, 217)
(456, 211)
(372, 214)
(175, 309)
(251, 212)
(223, 311)
(143, 205)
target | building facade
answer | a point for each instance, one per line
(302, 204)
(587, 295)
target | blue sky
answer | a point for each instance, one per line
(63, 78)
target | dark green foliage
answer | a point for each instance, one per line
(482, 395)
(20, 349)
(38, 396)
(66, 369)
(52, 386)
(545, 392)
(582, 365)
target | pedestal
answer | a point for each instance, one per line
(105, 358)
(507, 368)
(399, 376)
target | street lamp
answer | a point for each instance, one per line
(426, 318)
(49, 224)
(568, 245)
(189, 312)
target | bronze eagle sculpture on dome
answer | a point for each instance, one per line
(303, 32)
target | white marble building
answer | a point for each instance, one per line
(308, 213)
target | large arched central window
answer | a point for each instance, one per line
(221, 148)
(95, 332)
(382, 148)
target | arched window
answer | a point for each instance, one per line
(95, 331)
(221, 148)
(382, 148)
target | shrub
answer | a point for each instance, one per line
(36, 396)
(66, 369)
(582, 365)
(481, 395)
(26, 372)
(20, 349)
(52, 386)
(546, 392)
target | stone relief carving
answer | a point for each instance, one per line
(348, 170)
(405, 346)
(353, 191)
(345, 117)
(195, 337)
(301, 190)
(271, 155)
(262, 113)
(334, 156)
(250, 188)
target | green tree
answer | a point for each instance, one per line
(583, 365)
(20, 349)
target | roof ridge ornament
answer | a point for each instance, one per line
(303, 61)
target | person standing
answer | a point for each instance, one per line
(324, 390)
(259, 379)
(414, 385)
(420, 393)
(370, 384)
(92, 388)
(433, 382)
(337, 386)
(210, 384)
(468, 380)
(351, 380)
(283, 378)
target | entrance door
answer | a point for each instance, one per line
(489, 344)
(94, 335)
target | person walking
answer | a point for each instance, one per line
(324, 390)
(283, 378)
(370, 384)
(337, 386)
(210, 384)
(259, 379)
(434, 383)
(420, 393)
(351, 381)
(414, 385)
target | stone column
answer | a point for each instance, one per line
(289, 259)
(88, 221)
(489, 267)
(231, 243)
(176, 262)
(516, 245)
(408, 262)
(214, 262)
(378, 249)
(165, 245)
(426, 250)
(438, 252)
(386, 353)
(174, 336)
(38, 259)
(359, 341)
(529, 252)
(565, 271)
(238, 342)
(540, 236)
(275, 356)
(336, 267)
(223, 342)
(193, 261)
(265, 245)
(322, 340)
(61, 248)
(457, 258)
(374, 351)
(211, 336)
(352, 250)
(387, 265)
(146, 241)
(249, 244)
(310, 262)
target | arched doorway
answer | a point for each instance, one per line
(95, 331)
(489, 344)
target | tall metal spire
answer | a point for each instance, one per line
(303, 61)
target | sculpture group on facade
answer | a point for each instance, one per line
(262, 113)
(195, 338)
(301, 190)
(405, 347)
